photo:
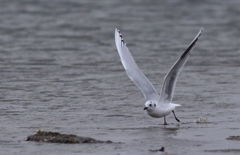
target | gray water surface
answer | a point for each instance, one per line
(60, 71)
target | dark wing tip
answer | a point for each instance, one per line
(193, 43)
(120, 35)
(198, 35)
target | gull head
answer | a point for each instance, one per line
(150, 105)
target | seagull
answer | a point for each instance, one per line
(157, 106)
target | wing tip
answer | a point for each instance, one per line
(200, 32)
(197, 36)
(117, 31)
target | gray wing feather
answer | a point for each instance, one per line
(134, 73)
(171, 78)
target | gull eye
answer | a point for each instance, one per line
(150, 105)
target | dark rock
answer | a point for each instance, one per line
(55, 137)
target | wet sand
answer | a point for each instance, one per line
(60, 71)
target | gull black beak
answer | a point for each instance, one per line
(145, 108)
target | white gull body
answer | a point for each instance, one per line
(156, 106)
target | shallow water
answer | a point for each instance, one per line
(60, 71)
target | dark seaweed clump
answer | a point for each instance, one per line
(161, 150)
(234, 138)
(55, 137)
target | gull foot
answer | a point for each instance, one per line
(177, 119)
(165, 123)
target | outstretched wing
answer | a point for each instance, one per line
(171, 78)
(132, 70)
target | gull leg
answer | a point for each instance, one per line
(175, 116)
(165, 123)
